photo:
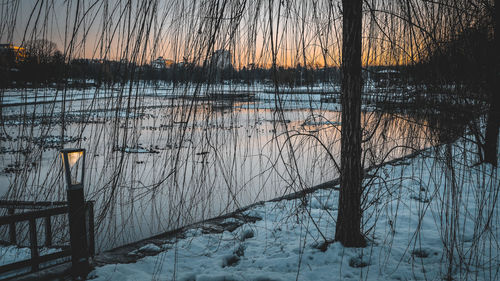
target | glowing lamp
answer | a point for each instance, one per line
(74, 167)
(73, 160)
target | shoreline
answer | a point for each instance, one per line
(217, 225)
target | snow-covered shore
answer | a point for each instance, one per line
(426, 218)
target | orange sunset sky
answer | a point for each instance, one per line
(182, 31)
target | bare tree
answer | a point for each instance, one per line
(348, 229)
(491, 144)
(41, 49)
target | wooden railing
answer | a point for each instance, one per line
(37, 210)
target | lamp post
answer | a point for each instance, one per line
(73, 160)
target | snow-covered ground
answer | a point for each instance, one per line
(427, 217)
(163, 90)
(261, 91)
(12, 254)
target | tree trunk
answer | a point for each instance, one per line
(348, 228)
(491, 145)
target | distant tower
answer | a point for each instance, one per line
(221, 59)
(219, 63)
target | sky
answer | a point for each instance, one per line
(297, 32)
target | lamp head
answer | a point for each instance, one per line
(73, 160)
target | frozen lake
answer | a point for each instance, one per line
(159, 158)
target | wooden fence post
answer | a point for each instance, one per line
(48, 231)
(12, 228)
(33, 245)
(77, 232)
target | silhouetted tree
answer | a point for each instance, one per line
(41, 49)
(491, 145)
(348, 228)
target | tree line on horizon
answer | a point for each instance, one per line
(465, 59)
(45, 69)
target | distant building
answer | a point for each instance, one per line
(386, 77)
(161, 63)
(19, 53)
(221, 59)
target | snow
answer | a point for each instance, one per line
(411, 218)
(388, 71)
(148, 249)
(304, 96)
(263, 91)
(11, 254)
